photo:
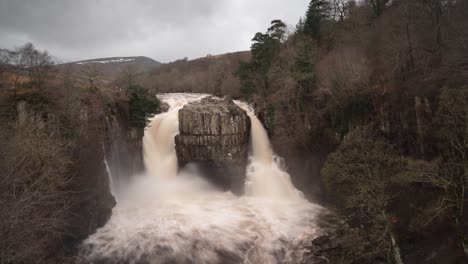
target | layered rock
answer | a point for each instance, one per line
(124, 151)
(92, 198)
(214, 134)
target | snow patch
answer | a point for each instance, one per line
(117, 60)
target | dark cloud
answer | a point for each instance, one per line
(162, 29)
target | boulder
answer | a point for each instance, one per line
(214, 135)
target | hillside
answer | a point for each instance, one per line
(211, 74)
(109, 70)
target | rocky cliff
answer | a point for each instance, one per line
(214, 134)
(56, 191)
(92, 198)
(123, 149)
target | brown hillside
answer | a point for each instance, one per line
(211, 74)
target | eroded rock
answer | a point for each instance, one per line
(214, 134)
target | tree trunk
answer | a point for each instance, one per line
(419, 122)
(396, 251)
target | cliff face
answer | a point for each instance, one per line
(60, 191)
(123, 149)
(214, 134)
(93, 201)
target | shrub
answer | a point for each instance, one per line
(142, 105)
(358, 176)
(34, 202)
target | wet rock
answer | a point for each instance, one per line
(123, 150)
(316, 260)
(90, 188)
(214, 135)
(321, 240)
(164, 107)
(338, 244)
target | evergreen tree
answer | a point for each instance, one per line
(299, 26)
(277, 30)
(264, 50)
(316, 13)
(142, 105)
(303, 69)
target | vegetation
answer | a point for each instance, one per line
(54, 188)
(316, 13)
(38, 159)
(265, 47)
(142, 105)
(34, 198)
(374, 91)
(212, 74)
(27, 59)
(378, 89)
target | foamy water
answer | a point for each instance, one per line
(166, 216)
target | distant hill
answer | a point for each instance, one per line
(211, 74)
(112, 68)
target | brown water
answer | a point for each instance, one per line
(166, 216)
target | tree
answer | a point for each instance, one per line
(91, 76)
(339, 10)
(303, 69)
(18, 66)
(299, 26)
(34, 200)
(37, 63)
(142, 106)
(358, 177)
(4, 60)
(244, 72)
(130, 74)
(277, 30)
(264, 49)
(452, 121)
(317, 11)
(378, 6)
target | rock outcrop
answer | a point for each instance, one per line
(214, 134)
(123, 150)
(92, 198)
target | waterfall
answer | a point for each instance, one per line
(265, 176)
(166, 216)
(111, 180)
(158, 145)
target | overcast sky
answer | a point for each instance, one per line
(164, 30)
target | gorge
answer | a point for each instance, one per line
(168, 215)
(336, 134)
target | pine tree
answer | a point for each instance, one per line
(316, 13)
(265, 48)
(303, 69)
(142, 105)
(300, 26)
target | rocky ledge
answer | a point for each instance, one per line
(214, 135)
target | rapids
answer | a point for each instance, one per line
(171, 216)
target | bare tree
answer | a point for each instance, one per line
(91, 76)
(339, 9)
(130, 74)
(378, 6)
(4, 60)
(37, 63)
(18, 66)
(34, 202)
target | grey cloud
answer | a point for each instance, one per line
(163, 30)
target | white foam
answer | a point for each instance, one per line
(167, 216)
